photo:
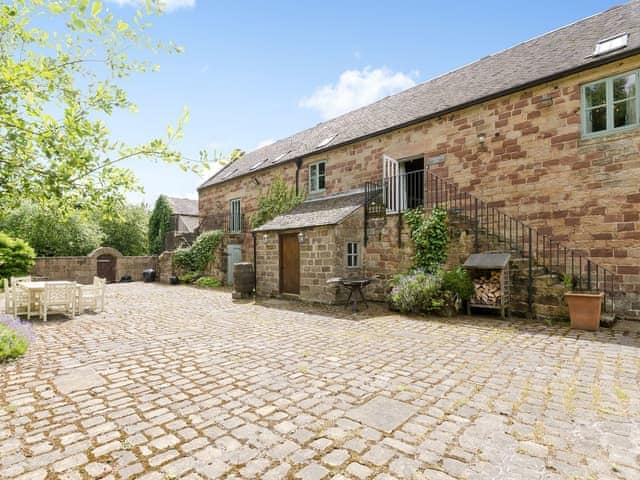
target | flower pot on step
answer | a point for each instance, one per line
(584, 309)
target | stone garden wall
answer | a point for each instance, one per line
(83, 269)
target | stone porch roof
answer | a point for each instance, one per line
(541, 59)
(315, 213)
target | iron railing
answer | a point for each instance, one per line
(397, 194)
(226, 222)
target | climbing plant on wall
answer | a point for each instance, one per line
(430, 236)
(200, 254)
(277, 200)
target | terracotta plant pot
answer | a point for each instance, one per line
(584, 309)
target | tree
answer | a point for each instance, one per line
(16, 257)
(50, 235)
(159, 225)
(278, 200)
(57, 88)
(128, 231)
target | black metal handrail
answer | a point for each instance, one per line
(224, 222)
(540, 249)
(399, 193)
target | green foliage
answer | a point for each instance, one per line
(278, 199)
(127, 231)
(189, 277)
(12, 343)
(458, 282)
(440, 293)
(16, 257)
(430, 236)
(569, 282)
(49, 234)
(208, 282)
(416, 293)
(201, 253)
(159, 225)
(59, 87)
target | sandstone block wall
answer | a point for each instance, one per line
(83, 269)
(533, 164)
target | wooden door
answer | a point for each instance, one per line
(289, 263)
(107, 267)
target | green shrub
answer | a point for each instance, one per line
(16, 257)
(208, 282)
(440, 293)
(416, 293)
(189, 277)
(458, 282)
(200, 254)
(14, 337)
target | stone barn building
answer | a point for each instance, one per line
(543, 135)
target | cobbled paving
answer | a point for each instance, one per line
(173, 382)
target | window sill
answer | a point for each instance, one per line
(587, 139)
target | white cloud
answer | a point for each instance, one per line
(167, 5)
(356, 88)
(265, 142)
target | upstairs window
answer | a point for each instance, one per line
(317, 177)
(610, 104)
(235, 216)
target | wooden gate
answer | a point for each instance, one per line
(289, 263)
(107, 267)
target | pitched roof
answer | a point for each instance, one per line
(314, 213)
(183, 206)
(540, 59)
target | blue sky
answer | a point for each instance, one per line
(255, 71)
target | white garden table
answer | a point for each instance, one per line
(36, 288)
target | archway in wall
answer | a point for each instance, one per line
(106, 263)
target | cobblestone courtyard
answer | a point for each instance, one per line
(181, 383)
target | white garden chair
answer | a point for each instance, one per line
(91, 296)
(8, 296)
(16, 280)
(58, 298)
(20, 301)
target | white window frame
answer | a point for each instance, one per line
(608, 81)
(353, 256)
(235, 216)
(317, 177)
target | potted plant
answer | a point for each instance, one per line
(584, 306)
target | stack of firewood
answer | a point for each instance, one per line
(488, 290)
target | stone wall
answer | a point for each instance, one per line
(532, 163)
(83, 269)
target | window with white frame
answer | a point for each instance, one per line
(610, 104)
(353, 254)
(235, 216)
(317, 177)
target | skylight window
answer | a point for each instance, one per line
(610, 44)
(256, 165)
(231, 172)
(279, 157)
(326, 141)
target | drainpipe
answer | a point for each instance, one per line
(255, 276)
(298, 165)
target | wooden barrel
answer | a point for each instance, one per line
(243, 277)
